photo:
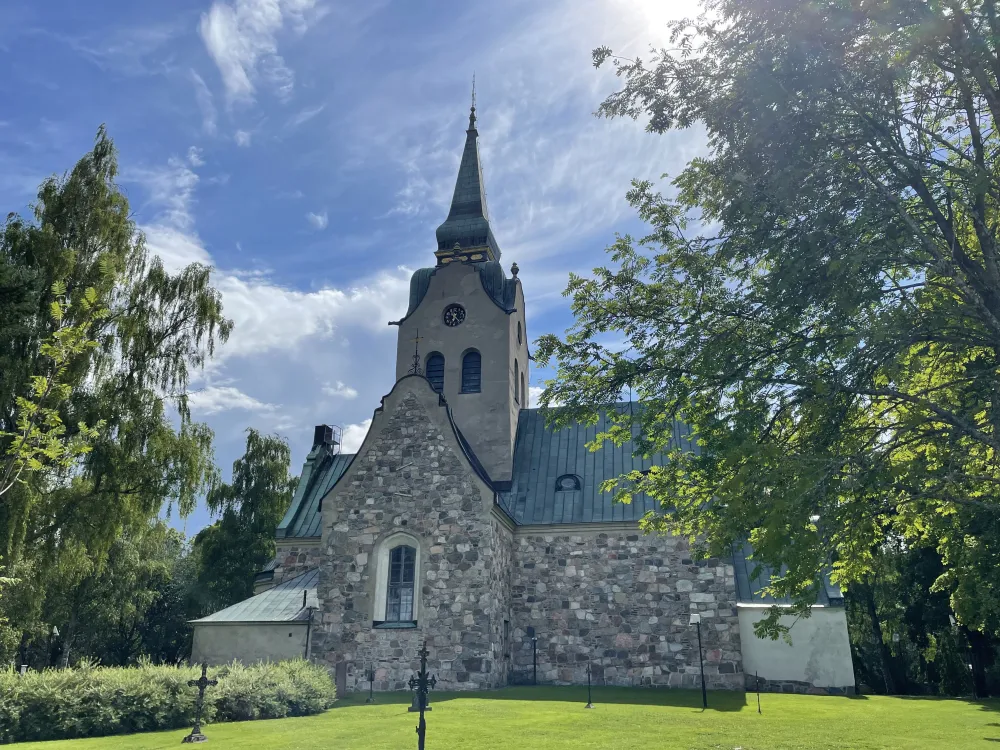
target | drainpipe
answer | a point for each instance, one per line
(309, 624)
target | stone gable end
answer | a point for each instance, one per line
(410, 477)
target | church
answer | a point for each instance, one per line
(464, 521)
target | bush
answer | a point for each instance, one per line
(91, 701)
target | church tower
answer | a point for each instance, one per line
(464, 329)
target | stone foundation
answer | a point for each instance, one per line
(794, 686)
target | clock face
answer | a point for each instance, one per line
(453, 315)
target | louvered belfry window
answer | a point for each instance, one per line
(435, 371)
(472, 372)
(399, 605)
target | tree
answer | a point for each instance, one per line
(241, 542)
(152, 328)
(39, 440)
(819, 296)
(97, 344)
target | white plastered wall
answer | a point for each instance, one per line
(820, 652)
(247, 642)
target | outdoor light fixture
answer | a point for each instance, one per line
(696, 621)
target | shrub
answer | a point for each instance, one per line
(91, 701)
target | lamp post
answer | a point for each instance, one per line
(534, 655)
(370, 674)
(590, 703)
(54, 633)
(696, 621)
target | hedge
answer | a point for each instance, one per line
(92, 701)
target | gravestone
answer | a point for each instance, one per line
(340, 678)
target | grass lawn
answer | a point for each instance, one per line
(545, 718)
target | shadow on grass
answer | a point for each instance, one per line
(674, 698)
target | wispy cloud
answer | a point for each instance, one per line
(242, 138)
(354, 436)
(319, 221)
(242, 39)
(339, 390)
(206, 103)
(305, 116)
(216, 399)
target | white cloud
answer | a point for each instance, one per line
(216, 399)
(339, 390)
(305, 116)
(242, 138)
(194, 157)
(534, 392)
(267, 315)
(242, 38)
(354, 436)
(319, 221)
(204, 98)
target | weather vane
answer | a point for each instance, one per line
(415, 368)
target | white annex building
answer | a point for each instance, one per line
(465, 521)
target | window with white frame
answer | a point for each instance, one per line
(397, 582)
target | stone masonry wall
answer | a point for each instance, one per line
(410, 479)
(623, 599)
(501, 573)
(294, 558)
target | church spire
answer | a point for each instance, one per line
(466, 233)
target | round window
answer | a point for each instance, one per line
(454, 315)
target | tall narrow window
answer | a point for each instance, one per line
(517, 383)
(472, 372)
(435, 371)
(524, 394)
(399, 598)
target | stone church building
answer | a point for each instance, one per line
(464, 520)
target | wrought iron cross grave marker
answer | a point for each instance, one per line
(422, 683)
(201, 683)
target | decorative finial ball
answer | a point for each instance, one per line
(513, 270)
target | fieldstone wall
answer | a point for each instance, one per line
(411, 478)
(501, 572)
(623, 600)
(295, 558)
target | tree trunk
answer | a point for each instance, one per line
(880, 644)
(981, 655)
(67, 640)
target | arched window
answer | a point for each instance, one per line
(396, 570)
(568, 483)
(399, 591)
(524, 393)
(472, 372)
(517, 377)
(519, 333)
(435, 371)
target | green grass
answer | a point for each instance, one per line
(548, 718)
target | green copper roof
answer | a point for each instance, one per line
(283, 603)
(468, 222)
(501, 288)
(321, 471)
(543, 455)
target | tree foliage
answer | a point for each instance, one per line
(819, 295)
(98, 342)
(241, 542)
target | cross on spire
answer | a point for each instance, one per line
(468, 222)
(415, 367)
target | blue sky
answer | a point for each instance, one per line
(307, 149)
